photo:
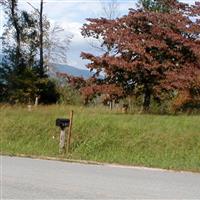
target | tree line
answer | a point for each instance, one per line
(29, 43)
(151, 54)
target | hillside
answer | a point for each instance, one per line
(63, 68)
(169, 142)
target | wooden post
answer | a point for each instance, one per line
(62, 141)
(125, 108)
(111, 104)
(29, 107)
(36, 100)
(69, 131)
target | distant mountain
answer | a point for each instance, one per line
(63, 68)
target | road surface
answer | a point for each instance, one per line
(24, 178)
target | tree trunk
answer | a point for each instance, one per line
(18, 33)
(41, 40)
(147, 99)
(111, 104)
(36, 100)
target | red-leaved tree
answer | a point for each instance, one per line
(153, 52)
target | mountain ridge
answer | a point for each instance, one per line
(65, 68)
(71, 70)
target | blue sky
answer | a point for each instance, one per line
(71, 14)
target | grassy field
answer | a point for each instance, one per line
(170, 142)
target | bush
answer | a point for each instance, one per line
(186, 102)
(48, 92)
(69, 95)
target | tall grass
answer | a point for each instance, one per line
(171, 142)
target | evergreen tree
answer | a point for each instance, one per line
(21, 76)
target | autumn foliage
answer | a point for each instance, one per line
(73, 81)
(148, 52)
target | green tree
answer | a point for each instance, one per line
(21, 76)
(15, 67)
(158, 5)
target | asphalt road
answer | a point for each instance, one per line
(23, 178)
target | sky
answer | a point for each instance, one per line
(70, 15)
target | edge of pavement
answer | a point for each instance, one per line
(91, 162)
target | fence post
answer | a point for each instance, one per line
(62, 141)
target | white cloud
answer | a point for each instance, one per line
(71, 15)
(74, 28)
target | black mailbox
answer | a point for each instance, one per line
(62, 123)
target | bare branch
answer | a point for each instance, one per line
(110, 9)
(34, 7)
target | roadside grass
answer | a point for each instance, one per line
(164, 141)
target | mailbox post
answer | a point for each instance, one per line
(63, 124)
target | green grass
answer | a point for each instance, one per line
(170, 142)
